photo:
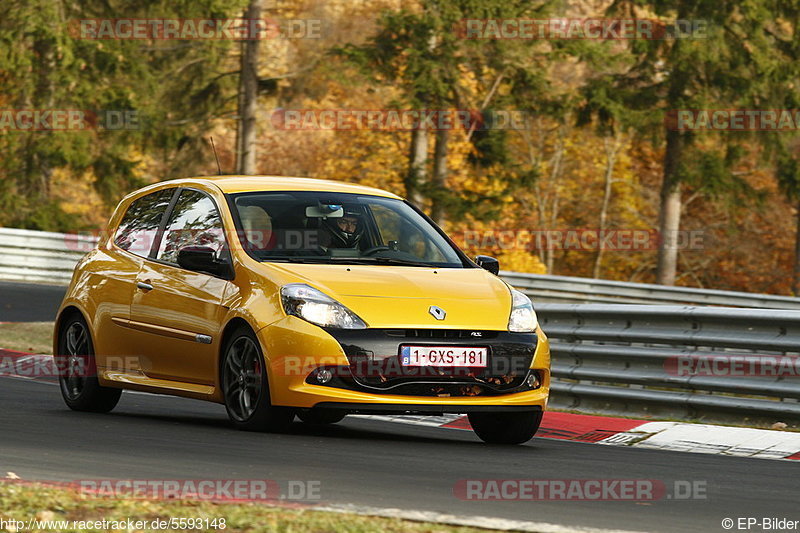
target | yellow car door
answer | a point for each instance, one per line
(113, 277)
(177, 312)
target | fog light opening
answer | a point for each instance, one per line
(324, 375)
(533, 380)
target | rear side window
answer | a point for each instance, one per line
(195, 221)
(137, 231)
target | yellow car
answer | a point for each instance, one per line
(281, 297)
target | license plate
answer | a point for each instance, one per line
(443, 356)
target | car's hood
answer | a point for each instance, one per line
(400, 297)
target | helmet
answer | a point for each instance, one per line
(346, 231)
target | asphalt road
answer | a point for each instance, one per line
(22, 302)
(372, 463)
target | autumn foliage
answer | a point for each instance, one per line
(568, 167)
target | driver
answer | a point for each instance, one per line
(346, 231)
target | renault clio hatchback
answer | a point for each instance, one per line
(293, 297)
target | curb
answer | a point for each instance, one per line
(672, 436)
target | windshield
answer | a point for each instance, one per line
(318, 227)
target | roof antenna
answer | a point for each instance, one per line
(219, 168)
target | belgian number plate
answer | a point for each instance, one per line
(443, 356)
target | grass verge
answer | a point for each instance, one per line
(25, 502)
(31, 337)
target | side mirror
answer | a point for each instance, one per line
(202, 259)
(488, 263)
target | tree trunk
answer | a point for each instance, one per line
(38, 167)
(612, 148)
(796, 282)
(670, 211)
(555, 174)
(239, 108)
(248, 98)
(417, 165)
(439, 177)
(535, 151)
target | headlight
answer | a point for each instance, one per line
(318, 308)
(523, 317)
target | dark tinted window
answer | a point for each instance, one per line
(195, 221)
(138, 228)
(325, 227)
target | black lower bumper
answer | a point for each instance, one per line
(412, 409)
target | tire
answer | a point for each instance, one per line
(506, 428)
(320, 416)
(243, 376)
(77, 376)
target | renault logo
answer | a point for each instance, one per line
(437, 312)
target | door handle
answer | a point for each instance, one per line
(144, 286)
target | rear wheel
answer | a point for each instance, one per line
(246, 388)
(506, 428)
(320, 416)
(78, 370)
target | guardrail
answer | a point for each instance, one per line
(564, 289)
(40, 256)
(682, 362)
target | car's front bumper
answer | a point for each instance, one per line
(295, 349)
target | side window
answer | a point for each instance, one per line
(195, 221)
(137, 231)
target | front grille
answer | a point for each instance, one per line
(442, 334)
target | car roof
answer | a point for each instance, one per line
(237, 184)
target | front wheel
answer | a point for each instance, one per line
(506, 428)
(77, 370)
(246, 388)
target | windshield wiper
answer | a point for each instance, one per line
(346, 260)
(395, 261)
(293, 259)
(382, 261)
